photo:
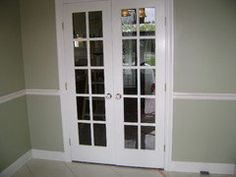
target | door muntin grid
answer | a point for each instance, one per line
(90, 77)
(139, 77)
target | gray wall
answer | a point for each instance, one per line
(14, 128)
(41, 72)
(205, 62)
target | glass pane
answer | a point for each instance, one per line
(147, 52)
(83, 108)
(129, 52)
(131, 137)
(147, 21)
(81, 77)
(147, 110)
(98, 108)
(131, 109)
(130, 81)
(79, 25)
(147, 81)
(100, 135)
(97, 81)
(96, 52)
(80, 53)
(129, 22)
(147, 137)
(84, 134)
(95, 24)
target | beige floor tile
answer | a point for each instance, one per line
(137, 172)
(91, 170)
(181, 174)
(23, 172)
(45, 168)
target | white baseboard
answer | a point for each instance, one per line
(9, 171)
(48, 155)
(196, 167)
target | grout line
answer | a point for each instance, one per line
(72, 172)
(30, 171)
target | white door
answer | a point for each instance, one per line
(114, 53)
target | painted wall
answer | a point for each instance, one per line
(14, 128)
(45, 122)
(205, 62)
(205, 46)
(39, 44)
(11, 64)
(14, 131)
(204, 131)
(41, 72)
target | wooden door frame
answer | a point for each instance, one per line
(169, 43)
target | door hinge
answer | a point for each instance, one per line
(165, 87)
(69, 141)
(165, 21)
(62, 25)
(164, 148)
(66, 85)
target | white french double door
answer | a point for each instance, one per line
(114, 57)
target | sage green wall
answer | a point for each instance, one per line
(41, 72)
(14, 128)
(45, 122)
(39, 44)
(205, 61)
(204, 131)
(205, 46)
(11, 63)
(14, 131)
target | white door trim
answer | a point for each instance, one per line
(62, 78)
(169, 47)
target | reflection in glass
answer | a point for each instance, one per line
(129, 52)
(96, 53)
(80, 53)
(130, 109)
(130, 81)
(98, 108)
(131, 137)
(147, 137)
(84, 134)
(147, 21)
(147, 52)
(83, 108)
(129, 22)
(79, 25)
(147, 110)
(100, 135)
(81, 78)
(97, 81)
(95, 24)
(147, 81)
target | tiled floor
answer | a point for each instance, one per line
(45, 168)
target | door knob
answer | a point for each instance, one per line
(118, 96)
(108, 96)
